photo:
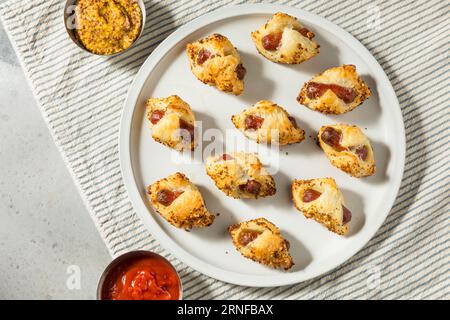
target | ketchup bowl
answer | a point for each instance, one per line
(140, 275)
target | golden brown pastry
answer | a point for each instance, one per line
(336, 91)
(240, 175)
(284, 39)
(267, 122)
(321, 200)
(348, 149)
(179, 201)
(215, 61)
(172, 122)
(261, 241)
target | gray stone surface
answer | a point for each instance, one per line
(44, 225)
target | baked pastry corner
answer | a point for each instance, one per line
(267, 122)
(348, 149)
(335, 91)
(240, 175)
(172, 122)
(321, 200)
(215, 61)
(179, 201)
(284, 39)
(261, 241)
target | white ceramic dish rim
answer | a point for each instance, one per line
(126, 158)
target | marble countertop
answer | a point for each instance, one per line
(49, 246)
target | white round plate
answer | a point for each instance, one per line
(315, 250)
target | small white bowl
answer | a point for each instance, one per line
(69, 11)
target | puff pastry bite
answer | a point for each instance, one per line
(240, 175)
(261, 241)
(267, 122)
(172, 122)
(336, 91)
(321, 200)
(215, 61)
(284, 39)
(179, 201)
(348, 149)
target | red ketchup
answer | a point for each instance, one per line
(145, 277)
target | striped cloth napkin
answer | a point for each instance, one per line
(81, 98)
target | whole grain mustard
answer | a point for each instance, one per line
(108, 26)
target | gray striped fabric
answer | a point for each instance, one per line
(81, 97)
